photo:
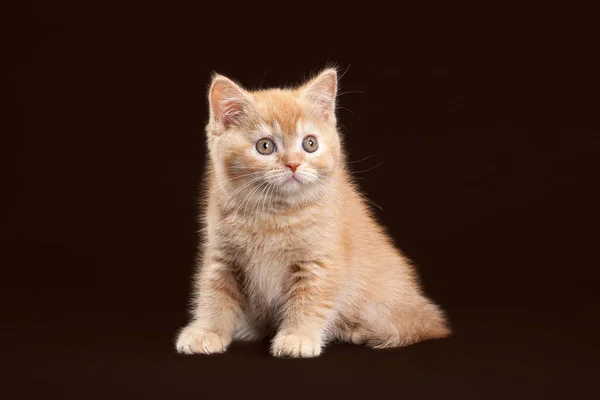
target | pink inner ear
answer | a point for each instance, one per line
(326, 106)
(322, 92)
(230, 111)
(227, 102)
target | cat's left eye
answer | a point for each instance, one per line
(310, 144)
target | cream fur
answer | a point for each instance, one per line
(303, 259)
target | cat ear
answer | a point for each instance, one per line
(228, 101)
(322, 92)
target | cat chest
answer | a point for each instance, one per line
(254, 246)
(265, 263)
(266, 267)
(266, 257)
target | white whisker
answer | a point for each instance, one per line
(362, 159)
(258, 200)
(369, 169)
(352, 92)
(232, 195)
(250, 196)
(370, 201)
(270, 187)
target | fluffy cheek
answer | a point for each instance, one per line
(243, 166)
(231, 159)
(324, 162)
(316, 168)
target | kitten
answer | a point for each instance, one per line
(289, 246)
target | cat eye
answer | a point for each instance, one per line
(310, 144)
(265, 146)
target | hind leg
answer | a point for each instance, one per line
(355, 334)
(408, 325)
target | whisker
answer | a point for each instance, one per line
(370, 201)
(362, 159)
(231, 196)
(243, 201)
(344, 73)
(351, 92)
(243, 176)
(263, 78)
(347, 109)
(270, 189)
(258, 200)
(369, 169)
(250, 197)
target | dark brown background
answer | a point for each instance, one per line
(486, 118)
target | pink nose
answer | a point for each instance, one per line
(292, 166)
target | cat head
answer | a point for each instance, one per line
(281, 143)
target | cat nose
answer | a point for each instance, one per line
(293, 165)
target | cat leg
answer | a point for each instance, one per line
(216, 313)
(307, 311)
(355, 334)
(409, 325)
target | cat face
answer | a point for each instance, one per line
(274, 145)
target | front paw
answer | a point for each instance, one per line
(194, 340)
(296, 346)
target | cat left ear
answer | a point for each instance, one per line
(229, 103)
(322, 92)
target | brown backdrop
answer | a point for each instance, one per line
(485, 119)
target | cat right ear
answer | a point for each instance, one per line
(229, 103)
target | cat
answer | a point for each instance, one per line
(289, 246)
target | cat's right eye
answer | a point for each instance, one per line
(265, 146)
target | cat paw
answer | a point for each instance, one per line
(295, 346)
(193, 340)
(353, 335)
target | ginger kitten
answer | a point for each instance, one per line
(289, 245)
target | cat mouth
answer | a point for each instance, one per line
(292, 178)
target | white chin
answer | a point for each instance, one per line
(291, 184)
